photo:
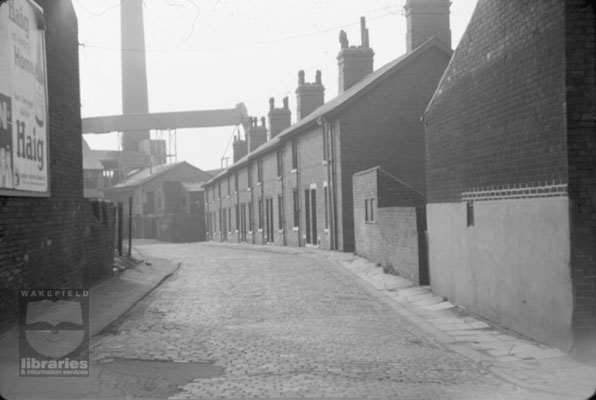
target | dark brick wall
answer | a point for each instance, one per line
(498, 117)
(385, 128)
(41, 239)
(580, 52)
(98, 240)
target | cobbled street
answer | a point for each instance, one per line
(277, 325)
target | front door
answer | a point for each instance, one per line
(243, 222)
(310, 211)
(269, 225)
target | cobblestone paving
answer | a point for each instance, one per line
(286, 326)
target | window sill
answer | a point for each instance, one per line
(294, 170)
(248, 189)
(326, 230)
(295, 228)
(324, 163)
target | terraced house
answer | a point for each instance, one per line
(294, 185)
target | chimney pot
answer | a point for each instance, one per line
(301, 77)
(262, 121)
(354, 62)
(343, 39)
(271, 103)
(318, 77)
(286, 104)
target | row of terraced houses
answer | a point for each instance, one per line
(473, 171)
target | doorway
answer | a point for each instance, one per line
(310, 211)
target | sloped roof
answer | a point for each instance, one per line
(339, 103)
(147, 174)
(192, 186)
(91, 159)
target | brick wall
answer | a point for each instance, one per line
(497, 120)
(580, 50)
(41, 239)
(98, 240)
(513, 118)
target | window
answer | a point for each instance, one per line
(326, 205)
(294, 154)
(236, 181)
(369, 210)
(279, 164)
(260, 214)
(219, 190)
(470, 213)
(228, 183)
(280, 212)
(259, 171)
(296, 208)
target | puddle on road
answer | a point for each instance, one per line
(143, 379)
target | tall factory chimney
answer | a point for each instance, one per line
(135, 99)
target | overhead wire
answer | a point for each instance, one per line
(236, 47)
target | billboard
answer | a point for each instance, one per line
(23, 100)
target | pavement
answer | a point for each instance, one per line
(108, 301)
(449, 353)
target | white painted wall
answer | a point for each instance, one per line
(511, 267)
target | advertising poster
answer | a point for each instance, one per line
(23, 100)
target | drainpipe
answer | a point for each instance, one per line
(283, 199)
(331, 171)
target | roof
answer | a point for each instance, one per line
(91, 159)
(394, 192)
(192, 186)
(338, 103)
(148, 174)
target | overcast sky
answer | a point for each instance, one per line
(210, 54)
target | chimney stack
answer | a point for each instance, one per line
(355, 62)
(309, 96)
(257, 134)
(279, 118)
(427, 19)
(239, 147)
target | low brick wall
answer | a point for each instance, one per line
(391, 241)
(388, 217)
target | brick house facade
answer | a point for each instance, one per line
(511, 171)
(296, 188)
(57, 241)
